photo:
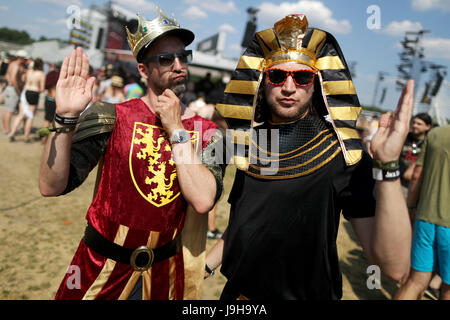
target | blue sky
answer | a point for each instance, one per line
(373, 49)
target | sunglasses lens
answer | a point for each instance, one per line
(303, 77)
(276, 76)
(186, 56)
(166, 60)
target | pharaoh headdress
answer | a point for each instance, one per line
(292, 40)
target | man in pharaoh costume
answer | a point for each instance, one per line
(292, 109)
(153, 191)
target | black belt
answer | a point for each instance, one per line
(140, 258)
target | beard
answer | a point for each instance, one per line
(290, 114)
(179, 89)
(179, 86)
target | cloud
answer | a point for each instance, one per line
(223, 7)
(436, 48)
(227, 28)
(424, 5)
(398, 28)
(137, 5)
(317, 13)
(61, 3)
(4, 8)
(194, 12)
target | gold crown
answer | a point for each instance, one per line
(148, 31)
(290, 32)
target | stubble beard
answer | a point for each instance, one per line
(179, 86)
(281, 114)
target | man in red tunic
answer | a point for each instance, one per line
(151, 152)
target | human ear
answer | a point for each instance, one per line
(144, 71)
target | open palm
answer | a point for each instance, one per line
(74, 87)
(387, 143)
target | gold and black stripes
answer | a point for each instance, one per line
(320, 50)
(296, 162)
(340, 94)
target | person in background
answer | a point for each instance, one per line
(11, 93)
(189, 95)
(133, 90)
(29, 99)
(50, 106)
(114, 93)
(205, 85)
(420, 125)
(428, 196)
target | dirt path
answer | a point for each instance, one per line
(38, 236)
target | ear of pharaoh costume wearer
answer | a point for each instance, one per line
(292, 40)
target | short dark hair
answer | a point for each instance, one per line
(425, 117)
(38, 64)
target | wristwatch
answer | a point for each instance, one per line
(209, 270)
(181, 136)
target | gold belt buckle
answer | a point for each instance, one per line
(138, 251)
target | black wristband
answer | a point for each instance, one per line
(385, 174)
(209, 270)
(65, 121)
(63, 129)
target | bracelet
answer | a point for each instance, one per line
(390, 165)
(209, 270)
(385, 174)
(63, 129)
(66, 121)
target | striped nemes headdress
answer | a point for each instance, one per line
(292, 40)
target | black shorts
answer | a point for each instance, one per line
(50, 108)
(32, 97)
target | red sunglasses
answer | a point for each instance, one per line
(278, 77)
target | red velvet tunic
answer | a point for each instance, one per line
(138, 203)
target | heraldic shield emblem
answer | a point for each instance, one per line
(151, 165)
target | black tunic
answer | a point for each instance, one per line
(281, 237)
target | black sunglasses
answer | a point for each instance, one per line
(278, 77)
(168, 59)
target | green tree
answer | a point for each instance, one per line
(15, 36)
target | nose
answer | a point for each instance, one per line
(177, 65)
(289, 86)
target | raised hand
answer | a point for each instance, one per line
(388, 141)
(74, 87)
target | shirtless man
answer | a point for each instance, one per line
(29, 99)
(12, 91)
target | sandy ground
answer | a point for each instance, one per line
(38, 236)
